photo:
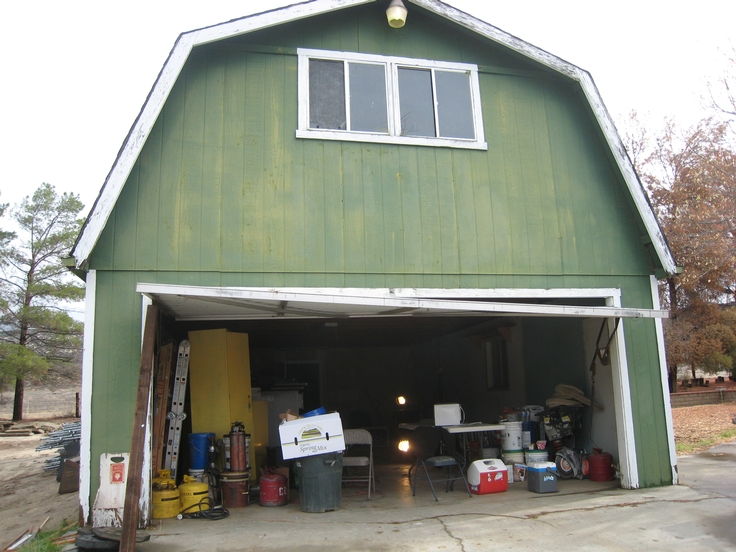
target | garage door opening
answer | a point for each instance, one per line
(431, 346)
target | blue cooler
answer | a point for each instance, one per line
(542, 477)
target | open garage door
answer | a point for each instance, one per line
(345, 320)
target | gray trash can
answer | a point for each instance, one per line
(320, 482)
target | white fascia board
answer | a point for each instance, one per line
(134, 142)
(627, 170)
(420, 305)
(153, 105)
(594, 99)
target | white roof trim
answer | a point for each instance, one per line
(138, 135)
(234, 303)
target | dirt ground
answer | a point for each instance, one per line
(28, 494)
(694, 424)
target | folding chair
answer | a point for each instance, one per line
(424, 442)
(359, 437)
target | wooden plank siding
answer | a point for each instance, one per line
(224, 194)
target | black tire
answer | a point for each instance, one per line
(91, 542)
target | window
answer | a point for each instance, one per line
(369, 98)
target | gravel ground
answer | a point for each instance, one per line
(695, 424)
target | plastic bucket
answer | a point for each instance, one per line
(199, 447)
(511, 436)
(197, 474)
(512, 456)
(234, 486)
(536, 456)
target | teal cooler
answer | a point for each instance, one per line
(542, 477)
(320, 482)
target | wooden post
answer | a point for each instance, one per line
(135, 470)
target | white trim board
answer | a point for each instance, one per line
(665, 384)
(85, 451)
(231, 303)
(141, 129)
(625, 432)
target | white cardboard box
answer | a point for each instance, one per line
(310, 436)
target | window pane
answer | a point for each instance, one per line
(416, 102)
(454, 108)
(326, 94)
(368, 98)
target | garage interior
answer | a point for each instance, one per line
(307, 356)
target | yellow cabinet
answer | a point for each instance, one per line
(219, 382)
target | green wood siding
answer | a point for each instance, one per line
(223, 194)
(237, 193)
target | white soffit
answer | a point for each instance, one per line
(212, 303)
(142, 126)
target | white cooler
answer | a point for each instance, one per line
(488, 476)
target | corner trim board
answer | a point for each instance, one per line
(659, 330)
(85, 464)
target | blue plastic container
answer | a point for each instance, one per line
(316, 412)
(199, 447)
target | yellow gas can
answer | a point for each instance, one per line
(165, 496)
(193, 495)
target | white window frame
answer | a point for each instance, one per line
(392, 65)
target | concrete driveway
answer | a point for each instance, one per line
(699, 514)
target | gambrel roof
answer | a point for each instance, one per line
(141, 129)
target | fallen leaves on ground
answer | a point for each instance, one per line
(702, 424)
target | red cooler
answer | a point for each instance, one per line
(488, 476)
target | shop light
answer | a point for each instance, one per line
(396, 14)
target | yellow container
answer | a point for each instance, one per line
(193, 496)
(165, 504)
(165, 496)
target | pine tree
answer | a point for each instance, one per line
(36, 333)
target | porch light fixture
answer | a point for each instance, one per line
(401, 400)
(396, 14)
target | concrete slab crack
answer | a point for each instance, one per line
(446, 529)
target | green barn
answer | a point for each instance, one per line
(440, 211)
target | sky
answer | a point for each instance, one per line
(76, 73)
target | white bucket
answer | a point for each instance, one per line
(536, 456)
(511, 436)
(197, 474)
(512, 456)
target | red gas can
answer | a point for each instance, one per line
(601, 465)
(273, 489)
